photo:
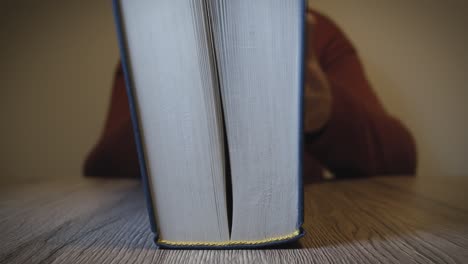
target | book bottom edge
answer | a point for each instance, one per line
(235, 244)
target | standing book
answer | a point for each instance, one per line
(215, 91)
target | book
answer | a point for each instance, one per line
(215, 93)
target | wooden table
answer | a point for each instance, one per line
(381, 219)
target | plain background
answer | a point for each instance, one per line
(57, 60)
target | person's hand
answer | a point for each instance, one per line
(317, 93)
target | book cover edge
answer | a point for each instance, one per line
(133, 113)
(302, 62)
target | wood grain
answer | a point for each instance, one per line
(375, 220)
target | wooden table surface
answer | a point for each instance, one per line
(383, 219)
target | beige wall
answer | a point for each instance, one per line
(57, 58)
(56, 64)
(416, 56)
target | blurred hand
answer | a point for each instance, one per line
(317, 93)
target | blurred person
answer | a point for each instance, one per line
(347, 130)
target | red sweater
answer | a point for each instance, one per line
(360, 138)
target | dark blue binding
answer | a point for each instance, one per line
(133, 112)
(139, 142)
(300, 206)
